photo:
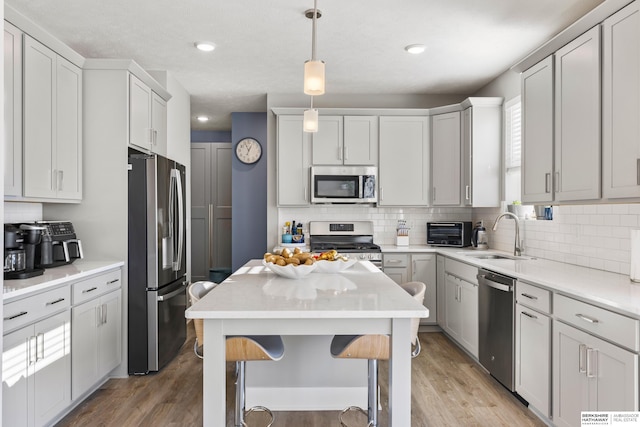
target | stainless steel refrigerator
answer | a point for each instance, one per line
(156, 261)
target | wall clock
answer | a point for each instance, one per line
(248, 151)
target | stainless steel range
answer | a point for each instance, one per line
(353, 238)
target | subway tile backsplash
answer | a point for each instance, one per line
(22, 212)
(595, 236)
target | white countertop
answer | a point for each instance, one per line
(609, 290)
(254, 292)
(14, 289)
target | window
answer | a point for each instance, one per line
(513, 149)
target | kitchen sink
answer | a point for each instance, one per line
(477, 255)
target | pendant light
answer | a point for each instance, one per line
(313, 75)
(314, 68)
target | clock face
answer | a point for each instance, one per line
(248, 150)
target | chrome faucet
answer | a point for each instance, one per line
(516, 246)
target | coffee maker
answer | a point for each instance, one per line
(20, 241)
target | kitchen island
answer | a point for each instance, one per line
(255, 301)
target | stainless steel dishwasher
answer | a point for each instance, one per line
(496, 305)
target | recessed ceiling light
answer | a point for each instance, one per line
(205, 46)
(415, 48)
(202, 119)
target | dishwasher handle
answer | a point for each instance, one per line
(482, 280)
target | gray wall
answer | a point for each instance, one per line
(249, 192)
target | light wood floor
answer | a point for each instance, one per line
(448, 389)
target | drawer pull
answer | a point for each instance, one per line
(22, 313)
(587, 318)
(113, 281)
(529, 315)
(55, 302)
(394, 261)
(533, 297)
(86, 291)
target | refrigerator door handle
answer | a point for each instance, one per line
(177, 181)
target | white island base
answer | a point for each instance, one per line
(307, 378)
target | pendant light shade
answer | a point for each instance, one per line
(310, 121)
(314, 77)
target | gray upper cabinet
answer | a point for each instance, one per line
(404, 161)
(445, 161)
(621, 104)
(52, 124)
(12, 111)
(346, 140)
(294, 160)
(577, 119)
(481, 142)
(537, 132)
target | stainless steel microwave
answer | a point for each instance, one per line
(453, 233)
(344, 184)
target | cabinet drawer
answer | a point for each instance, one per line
(533, 297)
(461, 270)
(96, 286)
(611, 326)
(19, 313)
(395, 260)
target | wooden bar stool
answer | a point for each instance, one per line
(240, 349)
(375, 348)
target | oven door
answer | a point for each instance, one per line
(166, 323)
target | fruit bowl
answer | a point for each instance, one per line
(290, 271)
(336, 266)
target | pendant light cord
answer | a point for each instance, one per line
(313, 31)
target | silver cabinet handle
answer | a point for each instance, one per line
(381, 193)
(32, 345)
(393, 261)
(99, 315)
(587, 318)
(638, 171)
(104, 313)
(39, 346)
(346, 153)
(86, 291)
(533, 297)
(547, 182)
(467, 192)
(110, 282)
(339, 153)
(529, 315)
(22, 313)
(582, 356)
(556, 183)
(592, 362)
(434, 194)
(60, 180)
(55, 302)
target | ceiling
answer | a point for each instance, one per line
(262, 45)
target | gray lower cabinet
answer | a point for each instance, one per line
(36, 377)
(396, 266)
(440, 284)
(595, 360)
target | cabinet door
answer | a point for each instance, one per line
(18, 354)
(84, 369)
(159, 124)
(621, 104)
(140, 132)
(440, 292)
(397, 274)
(577, 114)
(533, 358)
(68, 157)
(404, 161)
(12, 110)
(361, 140)
(481, 160)
(327, 143)
(468, 298)
(445, 162)
(537, 132)
(294, 159)
(452, 321)
(423, 269)
(110, 333)
(52, 371)
(39, 125)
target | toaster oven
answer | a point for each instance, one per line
(454, 233)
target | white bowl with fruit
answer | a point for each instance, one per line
(290, 264)
(333, 262)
